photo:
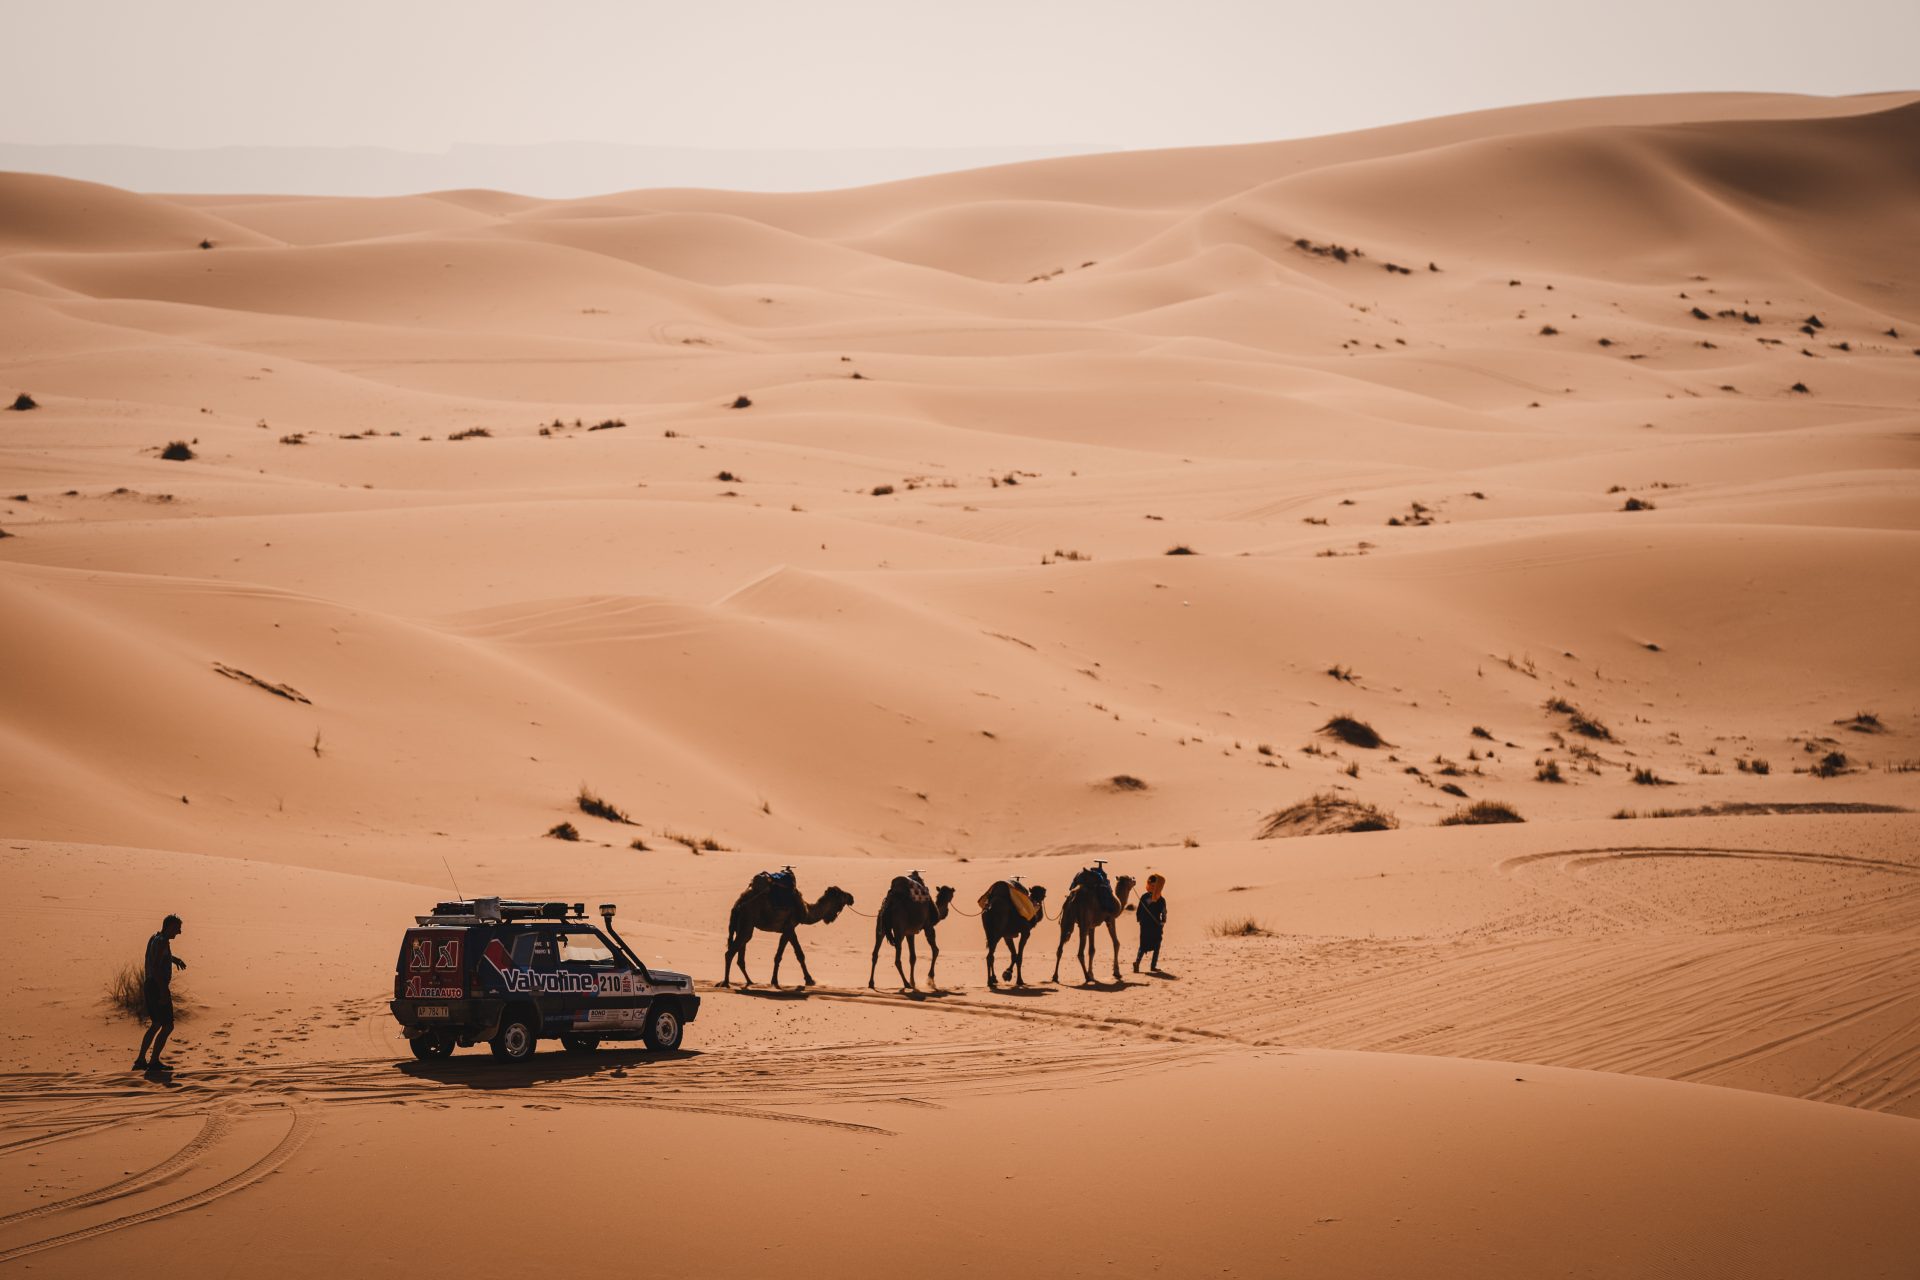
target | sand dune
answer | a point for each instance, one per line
(836, 529)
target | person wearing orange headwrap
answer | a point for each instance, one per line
(1152, 915)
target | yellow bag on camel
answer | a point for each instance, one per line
(1021, 902)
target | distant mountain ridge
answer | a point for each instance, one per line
(554, 170)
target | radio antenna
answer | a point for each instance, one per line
(455, 883)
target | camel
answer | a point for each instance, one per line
(769, 906)
(902, 914)
(1084, 910)
(1003, 921)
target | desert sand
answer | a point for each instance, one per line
(1572, 442)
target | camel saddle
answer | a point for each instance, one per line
(908, 887)
(1021, 902)
(1094, 880)
(779, 886)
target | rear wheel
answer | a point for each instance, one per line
(516, 1040)
(663, 1028)
(580, 1044)
(431, 1047)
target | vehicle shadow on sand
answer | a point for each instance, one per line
(485, 1073)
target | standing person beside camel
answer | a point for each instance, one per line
(1152, 915)
(156, 989)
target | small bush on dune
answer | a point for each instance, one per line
(23, 402)
(1548, 772)
(1579, 721)
(177, 451)
(1355, 733)
(1239, 927)
(1863, 722)
(1831, 765)
(1182, 550)
(594, 806)
(882, 490)
(471, 433)
(563, 831)
(1325, 813)
(1482, 813)
(1125, 782)
(1648, 778)
(125, 992)
(1636, 504)
(1478, 732)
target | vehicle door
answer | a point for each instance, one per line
(608, 995)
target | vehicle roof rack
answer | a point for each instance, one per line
(499, 910)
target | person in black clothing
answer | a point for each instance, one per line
(1152, 915)
(158, 992)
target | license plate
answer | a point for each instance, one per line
(432, 1011)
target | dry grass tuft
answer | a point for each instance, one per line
(1355, 733)
(1239, 927)
(593, 806)
(1325, 813)
(1482, 813)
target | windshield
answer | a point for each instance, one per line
(585, 948)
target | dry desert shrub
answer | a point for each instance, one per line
(1355, 733)
(563, 831)
(23, 402)
(1548, 772)
(1325, 813)
(1239, 927)
(1124, 782)
(1648, 778)
(1482, 813)
(177, 451)
(1579, 721)
(471, 433)
(594, 806)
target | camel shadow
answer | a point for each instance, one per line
(1165, 975)
(938, 993)
(1028, 992)
(771, 993)
(473, 1071)
(1121, 985)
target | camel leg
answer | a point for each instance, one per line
(1084, 953)
(1017, 958)
(726, 970)
(933, 959)
(993, 942)
(781, 950)
(904, 984)
(1113, 932)
(800, 955)
(879, 931)
(741, 954)
(1066, 927)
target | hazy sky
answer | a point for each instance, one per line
(423, 74)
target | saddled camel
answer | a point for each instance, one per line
(767, 906)
(1086, 910)
(903, 913)
(1004, 923)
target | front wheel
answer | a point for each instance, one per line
(431, 1048)
(663, 1028)
(516, 1040)
(580, 1044)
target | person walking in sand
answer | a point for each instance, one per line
(1152, 915)
(157, 989)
